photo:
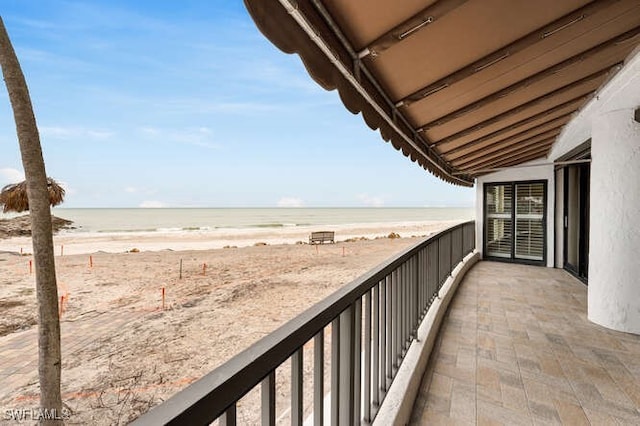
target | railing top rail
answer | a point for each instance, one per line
(207, 398)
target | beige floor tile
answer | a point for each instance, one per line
(463, 401)
(436, 418)
(520, 350)
(441, 385)
(496, 414)
(515, 399)
(571, 414)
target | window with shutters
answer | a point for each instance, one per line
(515, 221)
(499, 220)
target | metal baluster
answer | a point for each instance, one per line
(424, 276)
(378, 337)
(406, 310)
(450, 235)
(438, 263)
(421, 283)
(385, 330)
(367, 355)
(394, 322)
(402, 318)
(318, 379)
(388, 347)
(268, 395)
(347, 338)
(418, 272)
(357, 362)
(229, 417)
(335, 370)
(400, 315)
(296, 388)
(433, 265)
(403, 309)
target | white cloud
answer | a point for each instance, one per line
(290, 202)
(370, 201)
(151, 204)
(150, 131)
(74, 132)
(99, 134)
(9, 175)
(130, 190)
(243, 108)
(198, 136)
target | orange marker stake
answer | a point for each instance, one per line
(163, 298)
(31, 267)
(204, 269)
(20, 251)
(61, 307)
(61, 249)
(90, 261)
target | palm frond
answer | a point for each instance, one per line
(14, 198)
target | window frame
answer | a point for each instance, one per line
(485, 220)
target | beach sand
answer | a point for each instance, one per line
(122, 353)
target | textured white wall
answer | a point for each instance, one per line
(614, 252)
(622, 91)
(542, 172)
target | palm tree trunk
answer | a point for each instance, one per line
(49, 364)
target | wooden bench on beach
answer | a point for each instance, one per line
(321, 237)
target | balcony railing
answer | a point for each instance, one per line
(372, 322)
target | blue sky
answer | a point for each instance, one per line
(186, 104)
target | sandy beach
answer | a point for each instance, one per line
(122, 353)
(93, 242)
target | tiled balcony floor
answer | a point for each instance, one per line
(516, 348)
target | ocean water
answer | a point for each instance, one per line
(206, 219)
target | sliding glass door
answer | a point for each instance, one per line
(499, 199)
(515, 221)
(576, 220)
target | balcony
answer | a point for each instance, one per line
(516, 348)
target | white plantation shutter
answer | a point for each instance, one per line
(499, 220)
(514, 220)
(529, 217)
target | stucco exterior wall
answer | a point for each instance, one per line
(622, 91)
(534, 170)
(614, 253)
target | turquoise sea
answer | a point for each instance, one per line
(107, 220)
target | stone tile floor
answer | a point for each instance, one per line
(516, 348)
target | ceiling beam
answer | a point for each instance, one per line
(520, 160)
(521, 123)
(517, 150)
(514, 161)
(498, 147)
(544, 98)
(410, 27)
(516, 157)
(522, 43)
(533, 79)
(517, 162)
(558, 122)
(514, 150)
